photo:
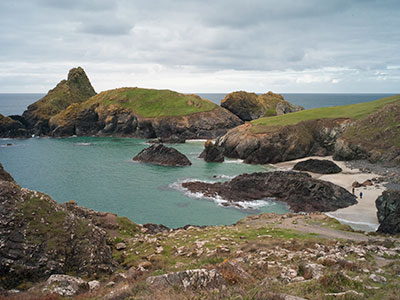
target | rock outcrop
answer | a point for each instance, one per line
(189, 279)
(39, 237)
(65, 285)
(164, 156)
(10, 128)
(144, 113)
(388, 205)
(75, 89)
(212, 153)
(250, 106)
(299, 190)
(318, 166)
(282, 143)
(375, 138)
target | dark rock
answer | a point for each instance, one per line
(318, 166)
(388, 205)
(12, 128)
(356, 184)
(164, 156)
(39, 237)
(299, 190)
(4, 175)
(189, 279)
(212, 153)
(155, 228)
(367, 182)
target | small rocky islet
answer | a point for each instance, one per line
(49, 249)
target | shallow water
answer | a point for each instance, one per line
(99, 173)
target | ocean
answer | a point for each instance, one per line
(99, 173)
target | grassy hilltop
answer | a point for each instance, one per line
(353, 111)
(150, 103)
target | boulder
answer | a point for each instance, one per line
(250, 106)
(164, 156)
(65, 285)
(388, 205)
(299, 190)
(155, 228)
(188, 279)
(212, 153)
(317, 166)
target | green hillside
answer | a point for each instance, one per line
(353, 111)
(149, 103)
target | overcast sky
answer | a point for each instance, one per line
(203, 46)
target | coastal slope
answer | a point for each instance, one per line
(358, 131)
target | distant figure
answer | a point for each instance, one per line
(353, 190)
(361, 194)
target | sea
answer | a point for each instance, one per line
(99, 173)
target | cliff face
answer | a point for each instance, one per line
(282, 143)
(39, 237)
(376, 137)
(250, 106)
(75, 89)
(144, 113)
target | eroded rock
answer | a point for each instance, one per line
(164, 156)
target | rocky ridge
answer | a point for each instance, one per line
(300, 191)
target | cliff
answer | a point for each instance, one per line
(250, 106)
(146, 113)
(10, 128)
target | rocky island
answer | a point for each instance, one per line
(300, 191)
(164, 156)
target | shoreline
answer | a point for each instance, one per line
(361, 216)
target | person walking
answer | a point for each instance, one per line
(361, 195)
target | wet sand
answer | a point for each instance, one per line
(360, 216)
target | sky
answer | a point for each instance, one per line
(209, 46)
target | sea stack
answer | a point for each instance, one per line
(163, 156)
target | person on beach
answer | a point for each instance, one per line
(353, 190)
(361, 194)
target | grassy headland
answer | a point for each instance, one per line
(150, 103)
(352, 111)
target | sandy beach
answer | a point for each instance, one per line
(360, 216)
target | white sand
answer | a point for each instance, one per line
(359, 216)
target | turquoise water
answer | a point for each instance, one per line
(99, 173)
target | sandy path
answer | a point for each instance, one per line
(360, 216)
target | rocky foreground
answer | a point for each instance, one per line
(300, 191)
(58, 251)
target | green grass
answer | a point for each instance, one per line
(352, 111)
(149, 103)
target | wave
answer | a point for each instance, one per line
(247, 205)
(224, 176)
(373, 226)
(234, 161)
(83, 144)
(196, 141)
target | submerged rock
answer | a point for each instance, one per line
(388, 205)
(317, 166)
(164, 156)
(299, 190)
(212, 153)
